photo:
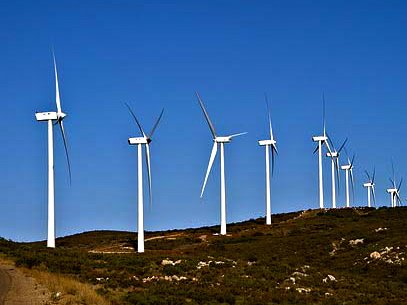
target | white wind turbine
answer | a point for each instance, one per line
(221, 141)
(270, 145)
(321, 141)
(370, 188)
(334, 155)
(348, 168)
(140, 141)
(52, 117)
(394, 191)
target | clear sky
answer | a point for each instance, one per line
(155, 54)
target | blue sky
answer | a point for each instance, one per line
(155, 54)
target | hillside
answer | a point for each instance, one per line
(343, 256)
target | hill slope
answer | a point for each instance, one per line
(343, 256)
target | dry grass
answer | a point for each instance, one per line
(5, 260)
(67, 291)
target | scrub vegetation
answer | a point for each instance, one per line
(341, 256)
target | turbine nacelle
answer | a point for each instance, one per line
(45, 116)
(61, 115)
(346, 167)
(52, 115)
(139, 140)
(227, 139)
(319, 138)
(392, 190)
(368, 184)
(333, 154)
(267, 142)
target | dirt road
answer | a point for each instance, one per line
(18, 288)
(5, 283)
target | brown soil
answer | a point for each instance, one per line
(21, 288)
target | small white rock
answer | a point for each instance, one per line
(355, 242)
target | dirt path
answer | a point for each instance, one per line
(5, 283)
(16, 288)
(163, 236)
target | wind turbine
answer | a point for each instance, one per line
(334, 155)
(221, 141)
(394, 191)
(270, 145)
(52, 117)
(321, 141)
(370, 188)
(140, 141)
(348, 168)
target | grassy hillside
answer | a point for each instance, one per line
(343, 256)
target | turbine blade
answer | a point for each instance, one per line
(271, 147)
(61, 125)
(392, 182)
(269, 116)
(137, 122)
(368, 176)
(347, 155)
(211, 159)
(401, 181)
(374, 173)
(316, 149)
(398, 198)
(353, 159)
(208, 120)
(57, 97)
(323, 113)
(156, 124)
(352, 180)
(343, 145)
(148, 162)
(328, 147)
(337, 172)
(275, 148)
(237, 134)
(374, 195)
(330, 142)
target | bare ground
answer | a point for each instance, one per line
(19, 288)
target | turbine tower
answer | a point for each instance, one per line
(321, 141)
(52, 117)
(348, 168)
(394, 191)
(270, 145)
(221, 141)
(140, 141)
(370, 188)
(334, 155)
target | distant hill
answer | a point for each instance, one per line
(341, 256)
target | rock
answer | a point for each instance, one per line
(299, 274)
(203, 264)
(355, 242)
(330, 278)
(170, 262)
(301, 290)
(375, 255)
(166, 262)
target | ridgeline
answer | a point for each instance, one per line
(341, 256)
